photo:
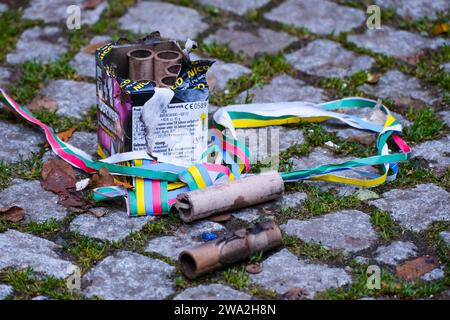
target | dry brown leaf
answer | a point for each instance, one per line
(414, 269)
(124, 184)
(40, 103)
(440, 28)
(59, 177)
(373, 78)
(92, 48)
(102, 179)
(63, 135)
(92, 4)
(13, 214)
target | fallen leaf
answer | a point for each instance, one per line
(440, 28)
(220, 218)
(295, 293)
(40, 103)
(92, 48)
(253, 268)
(13, 214)
(98, 212)
(92, 4)
(124, 184)
(59, 177)
(373, 78)
(414, 269)
(102, 179)
(63, 135)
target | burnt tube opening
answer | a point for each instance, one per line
(168, 55)
(183, 207)
(188, 265)
(169, 81)
(174, 69)
(140, 53)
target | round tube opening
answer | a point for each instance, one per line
(188, 265)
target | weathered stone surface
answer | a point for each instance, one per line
(86, 141)
(5, 290)
(445, 115)
(18, 142)
(436, 274)
(349, 230)
(346, 132)
(320, 16)
(74, 98)
(236, 6)
(326, 58)
(114, 226)
(259, 40)
(436, 152)
(146, 17)
(5, 74)
(320, 156)
(396, 252)
(129, 276)
(291, 200)
(416, 208)
(221, 72)
(21, 250)
(3, 7)
(400, 88)
(186, 236)
(56, 11)
(212, 292)
(39, 205)
(416, 8)
(84, 63)
(397, 43)
(446, 236)
(284, 88)
(43, 44)
(283, 271)
(248, 214)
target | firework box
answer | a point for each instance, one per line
(182, 128)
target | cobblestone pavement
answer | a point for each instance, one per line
(267, 51)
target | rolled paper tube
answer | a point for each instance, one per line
(173, 69)
(167, 82)
(164, 59)
(227, 250)
(231, 195)
(140, 64)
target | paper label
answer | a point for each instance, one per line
(181, 133)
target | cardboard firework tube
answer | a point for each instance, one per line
(230, 195)
(173, 69)
(229, 249)
(140, 64)
(164, 59)
(167, 82)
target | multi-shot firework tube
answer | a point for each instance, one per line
(230, 195)
(140, 64)
(230, 249)
(163, 60)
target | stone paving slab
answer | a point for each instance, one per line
(85, 141)
(212, 292)
(129, 276)
(284, 88)
(397, 43)
(5, 75)
(21, 250)
(39, 205)
(42, 44)
(5, 290)
(416, 8)
(73, 98)
(18, 142)
(84, 63)
(251, 43)
(349, 230)
(320, 156)
(416, 208)
(186, 236)
(445, 117)
(433, 275)
(395, 252)
(402, 89)
(114, 226)
(56, 11)
(319, 16)
(3, 7)
(283, 271)
(326, 58)
(173, 22)
(236, 6)
(446, 236)
(437, 152)
(221, 72)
